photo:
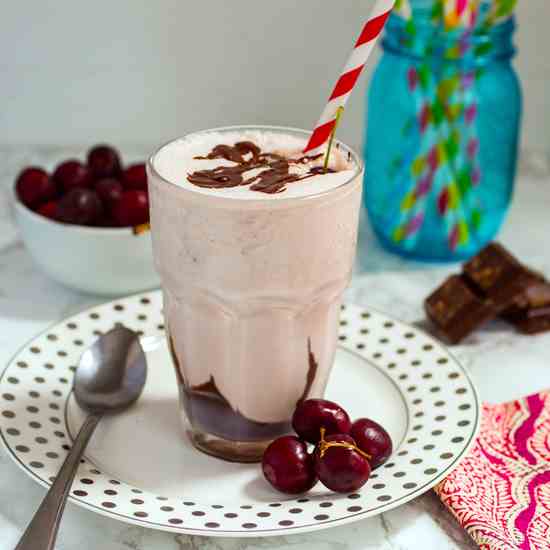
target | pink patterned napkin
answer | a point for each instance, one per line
(500, 493)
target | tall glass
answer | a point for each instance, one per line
(252, 292)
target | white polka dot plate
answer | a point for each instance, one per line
(141, 469)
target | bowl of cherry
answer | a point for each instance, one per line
(328, 448)
(86, 223)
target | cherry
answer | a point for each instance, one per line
(80, 206)
(135, 177)
(71, 174)
(34, 187)
(313, 414)
(288, 467)
(48, 210)
(373, 439)
(340, 465)
(109, 191)
(103, 161)
(131, 209)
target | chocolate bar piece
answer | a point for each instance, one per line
(531, 313)
(499, 277)
(456, 310)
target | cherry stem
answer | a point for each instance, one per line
(143, 228)
(325, 445)
(339, 113)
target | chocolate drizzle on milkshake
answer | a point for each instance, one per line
(311, 372)
(273, 178)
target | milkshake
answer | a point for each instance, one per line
(254, 243)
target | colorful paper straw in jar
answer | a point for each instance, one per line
(351, 73)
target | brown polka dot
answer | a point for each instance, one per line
(427, 347)
(275, 505)
(8, 414)
(142, 317)
(446, 456)
(118, 307)
(263, 514)
(461, 391)
(435, 389)
(403, 452)
(417, 401)
(389, 465)
(437, 432)
(13, 380)
(343, 323)
(430, 471)
(175, 521)
(97, 333)
(249, 525)
(427, 375)
(114, 482)
(295, 511)
(22, 448)
(94, 315)
(57, 393)
(72, 326)
(285, 523)
(439, 403)
(231, 515)
(457, 439)
(59, 434)
(145, 301)
(419, 414)
(141, 514)
(62, 353)
(245, 507)
(217, 506)
(440, 418)
(110, 492)
(383, 341)
(66, 447)
(411, 389)
(212, 525)
(379, 486)
(365, 315)
(189, 503)
(39, 379)
(54, 406)
(34, 349)
(35, 425)
(454, 375)
(354, 496)
(364, 331)
(442, 360)
(320, 517)
(48, 366)
(388, 324)
(22, 364)
(403, 376)
(80, 493)
(161, 498)
(160, 327)
(416, 461)
(36, 464)
(167, 508)
(392, 366)
(136, 501)
(51, 454)
(63, 380)
(303, 500)
(78, 342)
(108, 504)
(401, 351)
(464, 407)
(13, 431)
(325, 504)
(463, 423)
(409, 485)
(418, 427)
(137, 491)
(355, 509)
(416, 363)
(360, 346)
(412, 440)
(54, 420)
(384, 498)
(342, 338)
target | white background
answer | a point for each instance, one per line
(143, 71)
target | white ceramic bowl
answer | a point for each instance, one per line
(95, 260)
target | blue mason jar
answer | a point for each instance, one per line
(444, 110)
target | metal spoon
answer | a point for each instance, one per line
(110, 377)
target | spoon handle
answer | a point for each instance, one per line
(42, 530)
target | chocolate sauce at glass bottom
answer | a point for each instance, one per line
(209, 411)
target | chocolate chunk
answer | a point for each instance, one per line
(531, 313)
(499, 277)
(456, 310)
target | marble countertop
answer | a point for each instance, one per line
(504, 366)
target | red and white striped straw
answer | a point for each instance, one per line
(351, 73)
